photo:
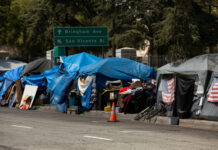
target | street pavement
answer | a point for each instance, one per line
(50, 130)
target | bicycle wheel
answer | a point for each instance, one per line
(153, 112)
(141, 114)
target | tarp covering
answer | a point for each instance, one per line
(6, 84)
(8, 79)
(1, 82)
(41, 80)
(210, 109)
(120, 68)
(199, 65)
(37, 67)
(67, 72)
(59, 88)
(14, 74)
(75, 62)
(85, 101)
(6, 65)
(184, 96)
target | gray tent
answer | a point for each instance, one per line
(194, 78)
(36, 67)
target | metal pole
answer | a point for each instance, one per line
(102, 50)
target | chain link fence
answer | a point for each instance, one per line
(154, 61)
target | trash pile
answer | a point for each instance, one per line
(133, 98)
(82, 80)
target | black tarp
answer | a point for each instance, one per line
(37, 67)
(184, 95)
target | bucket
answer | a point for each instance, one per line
(118, 110)
(173, 120)
(71, 101)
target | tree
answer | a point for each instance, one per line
(42, 16)
(185, 30)
(10, 26)
(120, 16)
(179, 29)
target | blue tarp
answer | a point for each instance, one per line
(68, 71)
(1, 82)
(14, 74)
(1, 78)
(85, 101)
(75, 62)
(39, 80)
(9, 77)
(119, 68)
(5, 85)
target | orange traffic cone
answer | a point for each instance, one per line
(113, 117)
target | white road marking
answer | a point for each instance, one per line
(95, 137)
(26, 127)
(95, 121)
(130, 131)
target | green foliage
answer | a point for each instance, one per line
(179, 29)
(184, 31)
(11, 24)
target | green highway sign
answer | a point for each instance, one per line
(80, 36)
(81, 41)
(80, 31)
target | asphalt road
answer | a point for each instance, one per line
(36, 130)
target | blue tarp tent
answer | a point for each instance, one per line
(4, 87)
(39, 80)
(1, 82)
(75, 62)
(118, 68)
(68, 71)
(10, 77)
(14, 74)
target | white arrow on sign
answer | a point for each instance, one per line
(59, 31)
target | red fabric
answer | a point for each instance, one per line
(126, 103)
(124, 89)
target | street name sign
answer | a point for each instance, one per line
(80, 36)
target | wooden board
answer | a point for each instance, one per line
(30, 90)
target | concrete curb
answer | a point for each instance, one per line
(160, 120)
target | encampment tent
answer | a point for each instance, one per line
(9, 78)
(37, 67)
(41, 80)
(68, 71)
(118, 69)
(184, 86)
(7, 65)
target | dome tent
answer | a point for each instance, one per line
(193, 79)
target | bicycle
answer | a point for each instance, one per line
(154, 111)
(150, 111)
(142, 113)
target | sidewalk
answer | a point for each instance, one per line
(190, 123)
